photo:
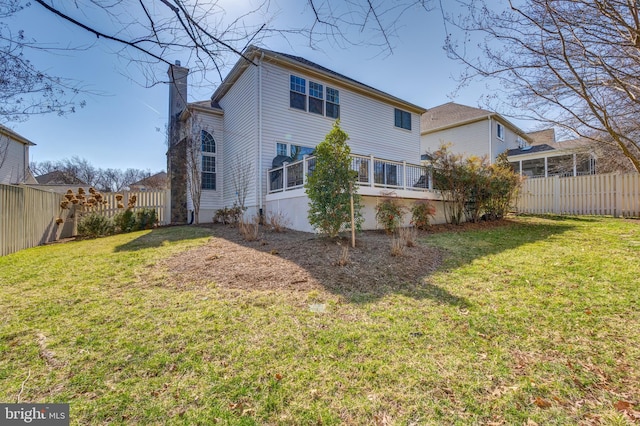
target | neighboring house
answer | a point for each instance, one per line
(470, 131)
(273, 109)
(545, 157)
(59, 181)
(154, 182)
(14, 157)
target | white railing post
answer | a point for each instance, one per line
(284, 175)
(404, 174)
(305, 168)
(430, 176)
(371, 170)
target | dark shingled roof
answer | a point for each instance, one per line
(304, 63)
(533, 149)
(320, 68)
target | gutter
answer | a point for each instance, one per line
(259, 169)
(490, 138)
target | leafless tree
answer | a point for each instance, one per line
(573, 64)
(76, 169)
(24, 89)
(242, 172)
(193, 148)
(148, 33)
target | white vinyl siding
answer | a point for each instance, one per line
(240, 105)
(368, 122)
(471, 139)
(210, 200)
(15, 162)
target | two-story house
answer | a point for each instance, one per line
(14, 157)
(268, 115)
(470, 131)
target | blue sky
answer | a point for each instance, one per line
(119, 126)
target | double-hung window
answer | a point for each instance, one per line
(298, 93)
(316, 95)
(282, 149)
(333, 103)
(402, 119)
(208, 160)
(500, 131)
(313, 97)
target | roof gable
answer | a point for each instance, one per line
(297, 63)
(5, 131)
(449, 114)
(452, 115)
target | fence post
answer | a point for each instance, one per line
(617, 209)
(556, 195)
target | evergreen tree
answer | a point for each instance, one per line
(330, 184)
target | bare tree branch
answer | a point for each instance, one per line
(572, 64)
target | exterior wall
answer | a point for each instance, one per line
(368, 122)
(293, 206)
(14, 161)
(210, 200)
(499, 146)
(472, 139)
(240, 134)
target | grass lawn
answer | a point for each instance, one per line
(536, 322)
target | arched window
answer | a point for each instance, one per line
(208, 160)
(208, 143)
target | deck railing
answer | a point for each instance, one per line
(371, 171)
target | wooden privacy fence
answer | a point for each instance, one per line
(144, 199)
(28, 215)
(606, 194)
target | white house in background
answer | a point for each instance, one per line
(471, 131)
(545, 157)
(270, 112)
(14, 157)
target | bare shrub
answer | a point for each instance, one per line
(408, 236)
(397, 246)
(250, 229)
(278, 222)
(344, 260)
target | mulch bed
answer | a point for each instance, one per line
(298, 261)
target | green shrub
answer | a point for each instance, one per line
(95, 225)
(146, 218)
(331, 186)
(421, 214)
(389, 214)
(125, 221)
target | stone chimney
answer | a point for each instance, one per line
(176, 153)
(177, 99)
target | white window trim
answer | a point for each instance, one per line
(308, 96)
(500, 134)
(214, 155)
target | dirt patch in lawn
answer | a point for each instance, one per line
(298, 261)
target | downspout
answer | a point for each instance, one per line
(260, 133)
(490, 138)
